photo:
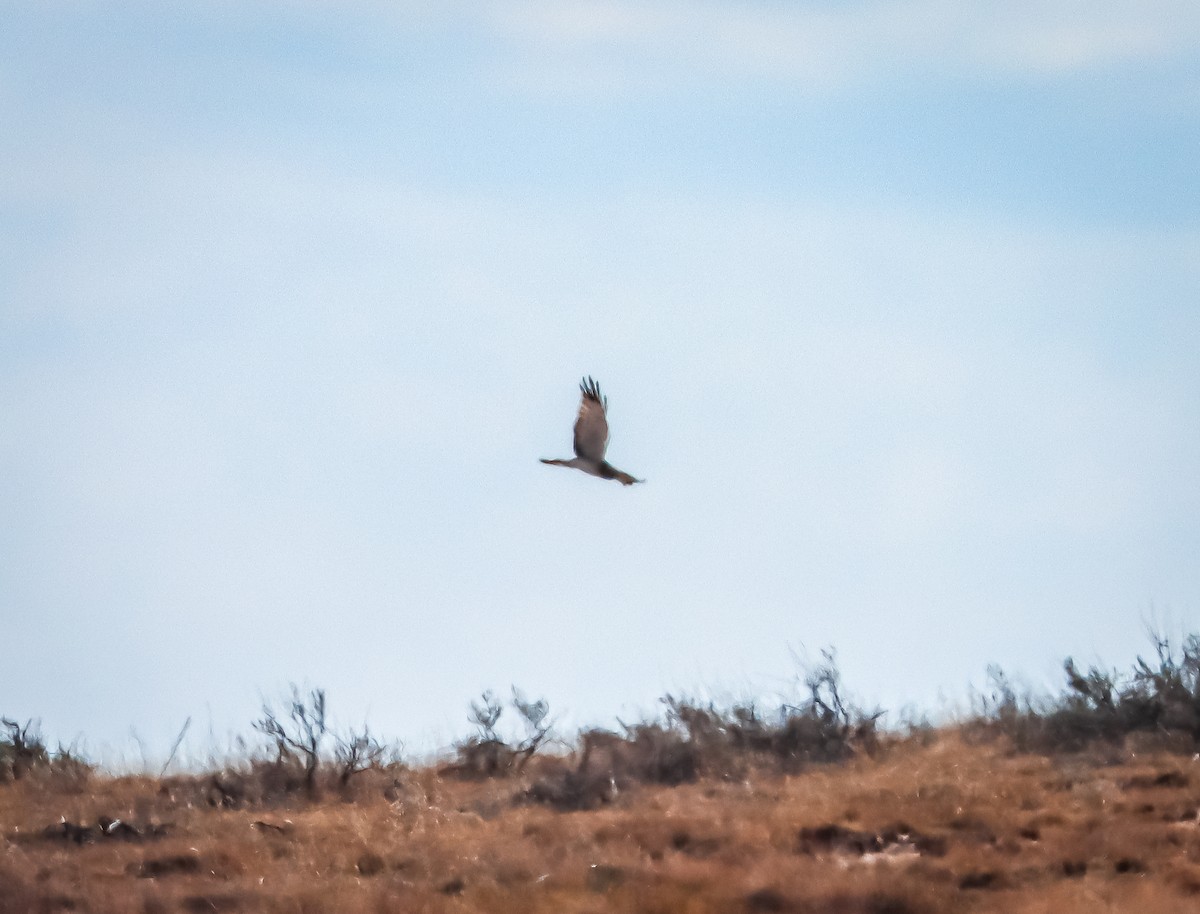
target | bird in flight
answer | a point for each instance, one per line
(591, 437)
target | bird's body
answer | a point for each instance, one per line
(591, 437)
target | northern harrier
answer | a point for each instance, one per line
(591, 437)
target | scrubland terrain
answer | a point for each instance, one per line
(1089, 802)
(935, 824)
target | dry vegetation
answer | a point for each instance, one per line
(1087, 802)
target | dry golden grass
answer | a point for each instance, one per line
(990, 830)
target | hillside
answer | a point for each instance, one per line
(1084, 801)
(943, 821)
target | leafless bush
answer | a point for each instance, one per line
(826, 727)
(486, 754)
(69, 769)
(663, 754)
(357, 752)
(299, 737)
(537, 724)
(486, 713)
(23, 753)
(21, 750)
(1159, 696)
(306, 755)
(695, 739)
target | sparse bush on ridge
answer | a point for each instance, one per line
(1161, 696)
(21, 750)
(23, 753)
(690, 739)
(357, 752)
(298, 739)
(696, 740)
(299, 761)
(485, 754)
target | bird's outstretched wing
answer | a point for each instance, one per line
(591, 428)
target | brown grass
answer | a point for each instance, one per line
(947, 824)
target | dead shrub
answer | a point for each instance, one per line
(298, 738)
(1159, 697)
(23, 753)
(300, 761)
(694, 740)
(486, 754)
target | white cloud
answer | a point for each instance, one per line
(584, 45)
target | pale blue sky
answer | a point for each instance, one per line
(896, 306)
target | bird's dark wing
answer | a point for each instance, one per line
(591, 428)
